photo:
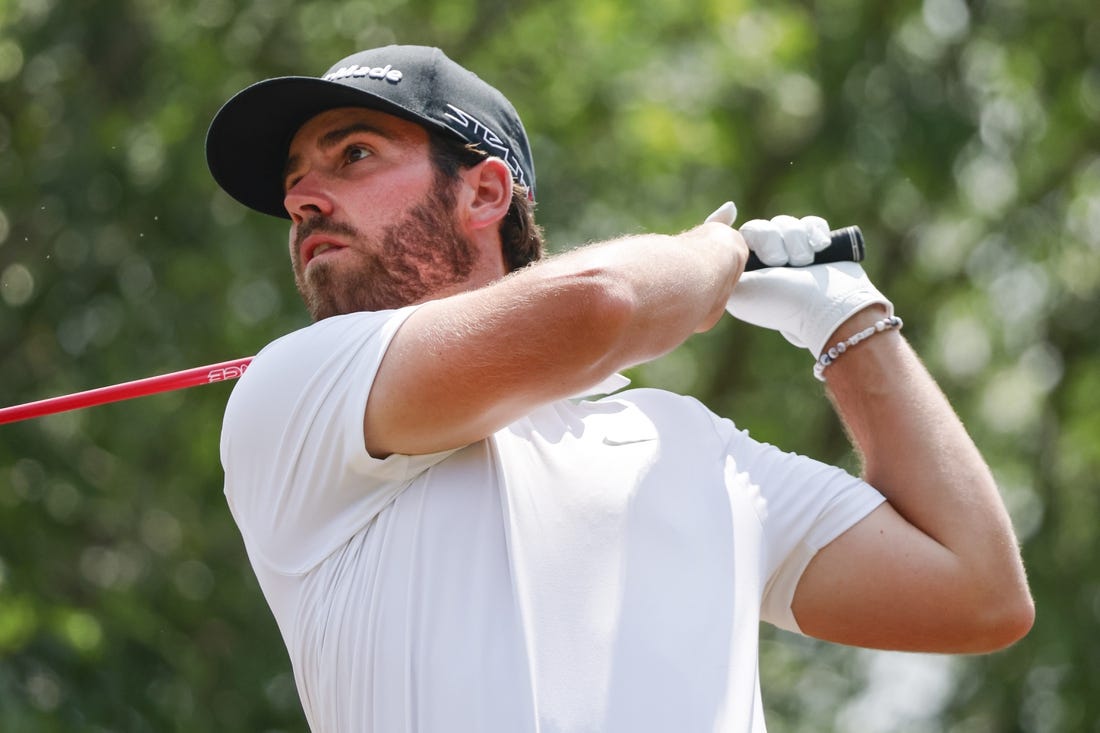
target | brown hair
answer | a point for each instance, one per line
(521, 238)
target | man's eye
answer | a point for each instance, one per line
(355, 152)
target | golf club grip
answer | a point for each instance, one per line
(845, 245)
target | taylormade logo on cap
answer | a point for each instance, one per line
(386, 72)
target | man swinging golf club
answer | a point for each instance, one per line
(455, 533)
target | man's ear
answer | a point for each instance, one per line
(490, 192)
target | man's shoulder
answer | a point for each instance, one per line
(313, 356)
(335, 328)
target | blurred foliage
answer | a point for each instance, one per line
(963, 138)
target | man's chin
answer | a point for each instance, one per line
(321, 305)
(318, 306)
(316, 290)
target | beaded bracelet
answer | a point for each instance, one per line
(833, 353)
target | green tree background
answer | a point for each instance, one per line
(963, 137)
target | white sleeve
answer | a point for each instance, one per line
(804, 505)
(298, 478)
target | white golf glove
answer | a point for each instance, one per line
(805, 304)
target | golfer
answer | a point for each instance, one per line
(461, 519)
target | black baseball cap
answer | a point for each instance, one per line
(249, 138)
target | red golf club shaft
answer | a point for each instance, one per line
(127, 390)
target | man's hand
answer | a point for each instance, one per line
(805, 304)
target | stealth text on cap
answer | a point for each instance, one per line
(386, 72)
(474, 130)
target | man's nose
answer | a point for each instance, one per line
(307, 198)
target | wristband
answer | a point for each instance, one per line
(833, 352)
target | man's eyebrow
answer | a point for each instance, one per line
(332, 138)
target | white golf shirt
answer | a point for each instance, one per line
(597, 566)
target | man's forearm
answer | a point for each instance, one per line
(916, 451)
(674, 285)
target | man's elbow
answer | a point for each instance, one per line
(1017, 621)
(1003, 622)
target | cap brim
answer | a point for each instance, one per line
(249, 138)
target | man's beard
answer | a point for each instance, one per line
(417, 256)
